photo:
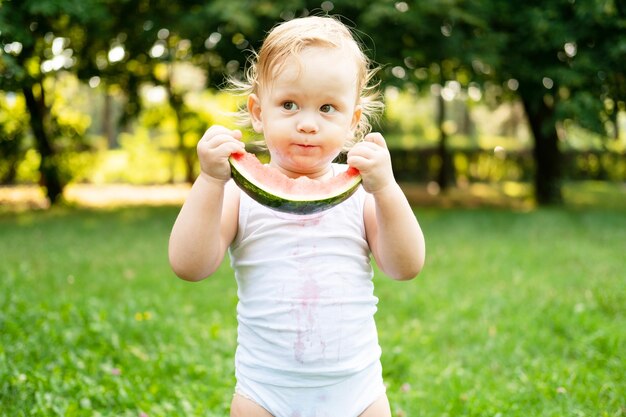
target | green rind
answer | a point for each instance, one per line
(284, 205)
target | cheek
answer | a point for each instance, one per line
(339, 144)
(274, 139)
(274, 132)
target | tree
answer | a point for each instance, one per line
(423, 45)
(212, 36)
(37, 37)
(112, 44)
(565, 60)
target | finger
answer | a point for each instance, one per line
(236, 134)
(359, 162)
(216, 130)
(226, 140)
(221, 146)
(376, 138)
(365, 149)
(220, 138)
(230, 147)
(220, 129)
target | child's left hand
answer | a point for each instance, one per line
(371, 157)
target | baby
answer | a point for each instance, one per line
(307, 339)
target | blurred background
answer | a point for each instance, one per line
(507, 125)
(498, 102)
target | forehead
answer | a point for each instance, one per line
(318, 61)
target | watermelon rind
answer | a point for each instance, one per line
(302, 205)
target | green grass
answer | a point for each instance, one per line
(515, 314)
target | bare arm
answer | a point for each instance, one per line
(207, 222)
(393, 233)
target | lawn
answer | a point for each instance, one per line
(516, 314)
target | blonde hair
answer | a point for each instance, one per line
(288, 39)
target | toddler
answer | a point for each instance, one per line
(307, 340)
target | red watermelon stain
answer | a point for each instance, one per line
(306, 317)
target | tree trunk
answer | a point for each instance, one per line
(108, 127)
(444, 177)
(9, 176)
(50, 178)
(546, 153)
(177, 104)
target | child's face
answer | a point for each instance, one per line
(308, 111)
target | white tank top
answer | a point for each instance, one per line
(306, 297)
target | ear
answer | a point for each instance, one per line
(356, 117)
(254, 108)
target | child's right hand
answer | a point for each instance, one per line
(214, 148)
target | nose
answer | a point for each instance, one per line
(307, 123)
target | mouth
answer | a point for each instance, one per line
(305, 146)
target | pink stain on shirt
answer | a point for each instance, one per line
(306, 318)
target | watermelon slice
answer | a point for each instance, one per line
(302, 195)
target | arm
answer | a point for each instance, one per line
(207, 222)
(393, 233)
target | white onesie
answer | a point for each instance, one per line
(307, 340)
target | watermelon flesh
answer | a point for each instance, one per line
(302, 195)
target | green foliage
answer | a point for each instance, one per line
(69, 119)
(409, 118)
(569, 53)
(13, 130)
(138, 161)
(565, 60)
(73, 166)
(501, 321)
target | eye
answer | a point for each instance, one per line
(327, 108)
(290, 106)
